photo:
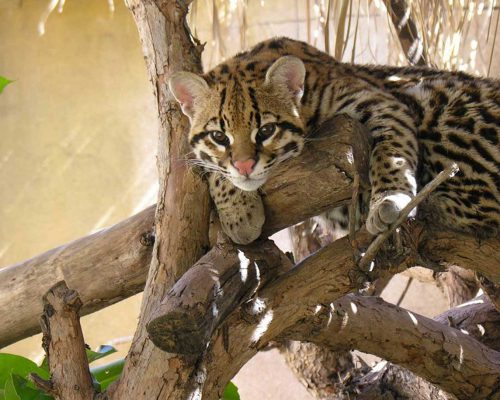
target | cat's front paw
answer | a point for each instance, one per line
(241, 213)
(243, 218)
(385, 210)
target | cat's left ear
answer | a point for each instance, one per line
(288, 73)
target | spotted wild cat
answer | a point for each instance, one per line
(252, 112)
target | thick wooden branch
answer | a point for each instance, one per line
(104, 268)
(64, 345)
(442, 355)
(182, 213)
(205, 295)
(292, 299)
(386, 381)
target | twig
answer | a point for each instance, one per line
(375, 246)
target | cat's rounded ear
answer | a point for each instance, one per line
(289, 73)
(186, 88)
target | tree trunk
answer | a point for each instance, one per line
(182, 212)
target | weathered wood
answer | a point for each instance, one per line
(182, 216)
(205, 295)
(287, 303)
(301, 192)
(104, 268)
(64, 345)
(451, 359)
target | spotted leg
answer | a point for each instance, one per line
(241, 213)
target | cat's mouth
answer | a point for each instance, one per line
(248, 184)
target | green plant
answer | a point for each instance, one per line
(4, 82)
(15, 370)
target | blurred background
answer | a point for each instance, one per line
(78, 124)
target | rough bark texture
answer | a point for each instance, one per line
(322, 371)
(460, 365)
(459, 284)
(205, 295)
(292, 299)
(182, 214)
(103, 268)
(64, 345)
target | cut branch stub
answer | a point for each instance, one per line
(226, 276)
(64, 345)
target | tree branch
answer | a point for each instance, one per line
(64, 345)
(104, 268)
(438, 353)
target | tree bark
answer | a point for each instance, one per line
(446, 357)
(182, 213)
(104, 268)
(65, 347)
(292, 299)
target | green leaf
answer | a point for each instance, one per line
(230, 392)
(107, 374)
(4, 82)
(18, 388)
(14, 364)
(102, 351)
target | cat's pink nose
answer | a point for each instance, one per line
(245, 167)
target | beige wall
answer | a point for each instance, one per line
(78, 133)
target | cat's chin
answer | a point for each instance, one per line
(248, 184)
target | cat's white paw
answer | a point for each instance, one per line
(384, 211)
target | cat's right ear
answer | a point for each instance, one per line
(187, 88)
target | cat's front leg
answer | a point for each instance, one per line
(241, 213)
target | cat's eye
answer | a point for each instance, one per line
(220, 137)
(266, 131)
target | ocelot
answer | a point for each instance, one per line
(254, 111)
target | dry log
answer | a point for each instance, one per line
(64, 345)
(227, 275)
(478, 318)
(292, 298)
(105, 267)
(450, 359)
(319, 366)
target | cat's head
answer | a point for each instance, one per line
(242, 128)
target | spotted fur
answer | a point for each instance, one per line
(420, 120)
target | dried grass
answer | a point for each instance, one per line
(455, 34)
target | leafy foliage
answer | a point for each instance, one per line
(231, 392)
(4, 82)
(15, 370)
